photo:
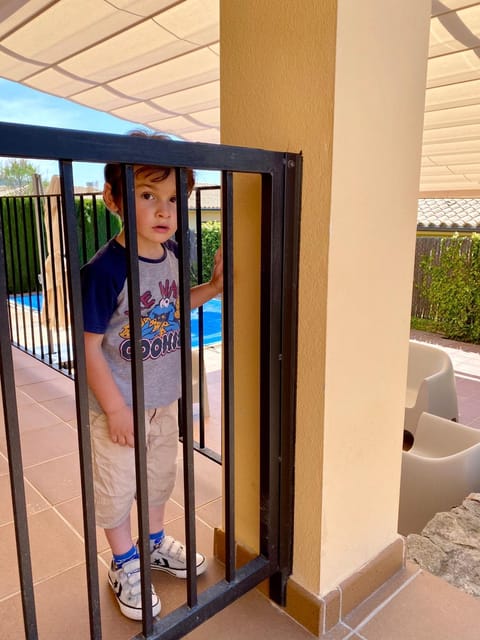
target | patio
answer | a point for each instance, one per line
(413, 604)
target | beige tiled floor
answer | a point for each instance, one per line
(413, 605)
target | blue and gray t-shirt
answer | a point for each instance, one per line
(105, 310)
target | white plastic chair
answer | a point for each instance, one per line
(430, 384)
(440, 470)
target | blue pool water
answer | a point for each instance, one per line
(31, 300)
(212, 317)
(212, 323)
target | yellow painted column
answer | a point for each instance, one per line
(342, 81)
(277, 93)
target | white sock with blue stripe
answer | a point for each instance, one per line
(156, 538)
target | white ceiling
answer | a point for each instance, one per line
(156, 62)
(451, 140)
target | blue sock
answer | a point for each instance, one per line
(120, 559)
(156, 538)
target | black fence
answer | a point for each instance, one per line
(280, 176)
(36, 274)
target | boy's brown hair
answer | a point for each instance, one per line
(113, 172)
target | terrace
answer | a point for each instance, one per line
(412, 604)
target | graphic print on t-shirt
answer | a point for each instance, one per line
(160, 323)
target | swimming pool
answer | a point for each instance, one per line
(212, 317)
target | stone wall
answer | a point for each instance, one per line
(449, 545)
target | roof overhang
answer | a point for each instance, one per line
(156, 62)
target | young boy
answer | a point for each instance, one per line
(107, 347)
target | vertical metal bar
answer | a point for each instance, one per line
(46, 301)
(11, 282)
(57, 278)
(228, 369)
(201, 360)
(108, 223)
(19, 289)
(128, 194)
(291, 248)
(35, 232)
(37, 191)
(83, 237)
(3, 221)
(54, 346)
(29, 263)
(272, 195)
(65, 288)
(43, 311)
(81, 396)
(186, 401)
(7, 381)
(98, 241)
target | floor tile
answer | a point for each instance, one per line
(428, 608)
(24, 399)
(408, 607)
(212, 513)
(35, 416)
(398, 581)
(208, 481)
(340, 632)
(57, 387)
(63, 407)
(53, 547)
(57, 480)
(34, 501)
(3, 465)
(21, 360)
(11, 615)
(48, 443)
(72, 511)
(252, 616)
(32, 375)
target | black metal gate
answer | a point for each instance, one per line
(280, 208)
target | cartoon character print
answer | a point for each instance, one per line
(161, 319)
(160, 326)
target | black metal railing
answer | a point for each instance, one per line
(39, 316)
(277, 319)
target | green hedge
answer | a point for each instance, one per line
(211, 240)
(451, 283)
(94, 227)
(20, 245)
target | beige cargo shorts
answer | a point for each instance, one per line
(114, 465)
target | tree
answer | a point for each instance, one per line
(17, 174)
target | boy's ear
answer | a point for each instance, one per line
(108, 198)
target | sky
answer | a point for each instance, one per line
(23, 105)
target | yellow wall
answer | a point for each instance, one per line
(277, 93)
(379, 99)
(352, 101)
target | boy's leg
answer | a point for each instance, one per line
(156, 518)
(167, 554)
(114, 483)
(120, 538)
(124, 573)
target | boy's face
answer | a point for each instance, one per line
(156, 211)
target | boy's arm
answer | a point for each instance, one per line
(208, 290)
(101, 382)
